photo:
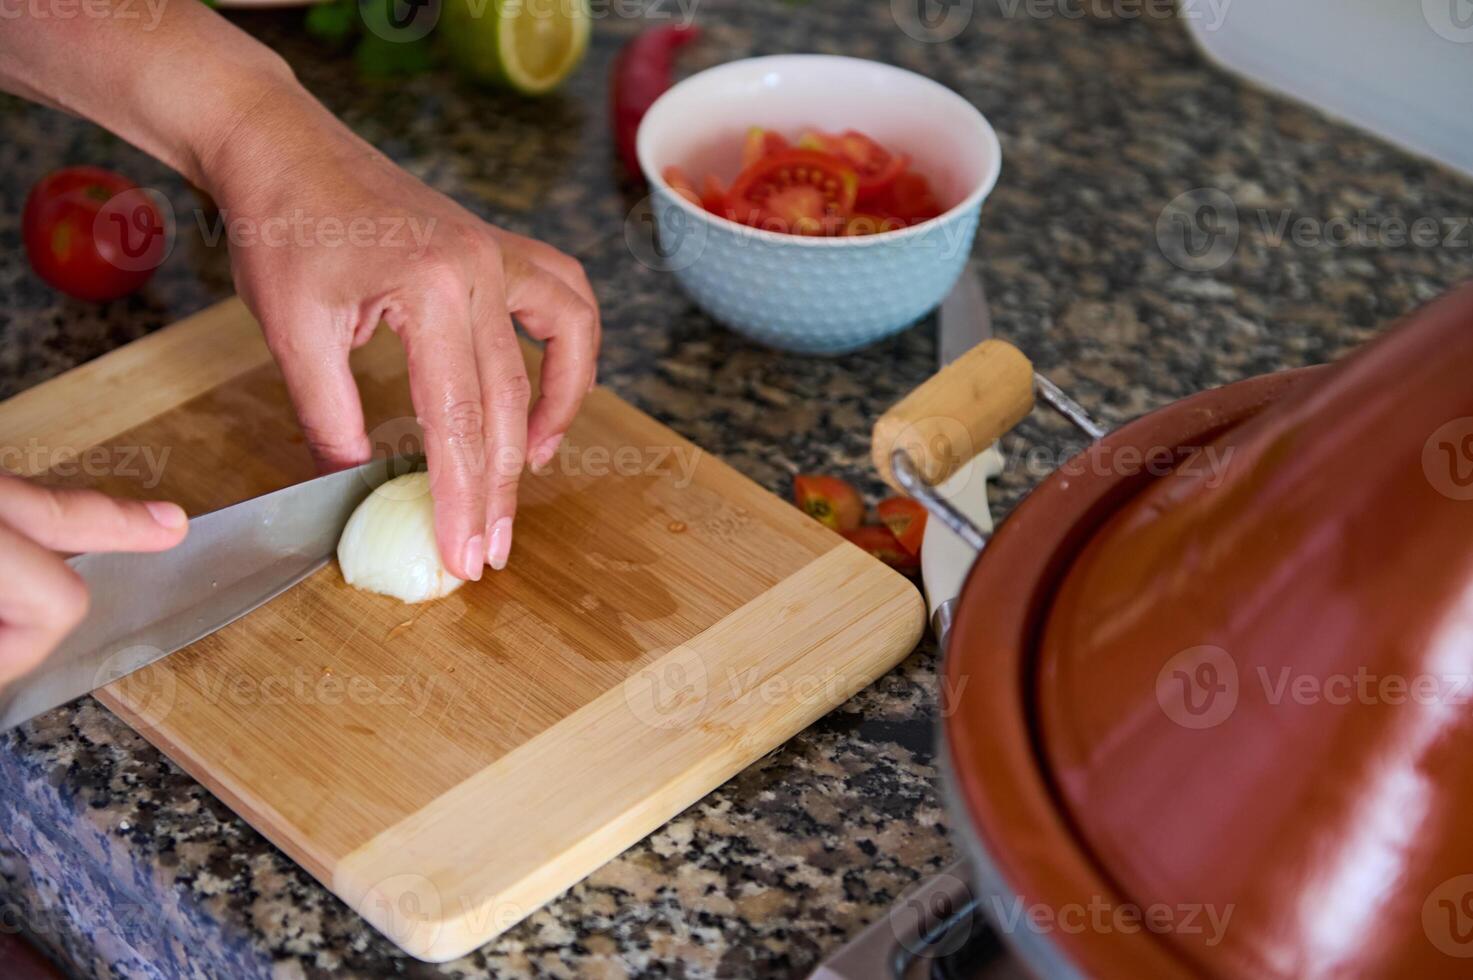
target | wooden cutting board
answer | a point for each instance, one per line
(446, 769)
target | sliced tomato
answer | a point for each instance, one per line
(876, 166)
(878, 541)
(713, 195)
(681, 184)
(906, 519)
(829, 500)
(909, 198)
(814, 139)
(760, 143)
(801, 192)
(863, 223)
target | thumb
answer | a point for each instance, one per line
(85, 520)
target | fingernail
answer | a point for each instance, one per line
(475, 556)
(500, 544)
(544, 454)
(166, 514)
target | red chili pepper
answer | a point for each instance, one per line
(642, 73)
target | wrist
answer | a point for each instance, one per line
(247, 118)
(278, 135)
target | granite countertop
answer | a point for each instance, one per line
(121, 865)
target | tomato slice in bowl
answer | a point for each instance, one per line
(681, 184)
(906, 519)
(713, 195)
(861, 223)
(909, 198)
(801, 192)
(875, 166)
(829, 500)
(760, 143)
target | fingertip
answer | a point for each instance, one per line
(542, 456)
(462, 548)
(167, 514)
(474, 558)
(499, 551)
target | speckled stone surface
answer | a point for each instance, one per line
(123, 866)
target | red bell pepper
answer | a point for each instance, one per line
(642, 73)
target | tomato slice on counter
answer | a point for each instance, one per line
(761, 143)
(878, 541)
(681, 184)
(800, 192)
(906, 519)
(713, 195)
(829, 500)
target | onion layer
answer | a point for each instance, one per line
(389, 544)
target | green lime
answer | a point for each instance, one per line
(527, 45)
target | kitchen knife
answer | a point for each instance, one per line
(964, 322)
(146, 606)
(964, 318)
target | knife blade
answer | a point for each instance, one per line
(145, 606)
(964, 319)
(963, 322)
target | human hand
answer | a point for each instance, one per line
(446, 282)
(43, 598)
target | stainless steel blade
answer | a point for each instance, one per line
(963, 323)
(964, 320)
(146, 606)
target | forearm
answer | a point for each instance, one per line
(172, 77)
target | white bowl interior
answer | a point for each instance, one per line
(699, 124)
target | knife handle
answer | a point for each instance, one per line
(964, 408)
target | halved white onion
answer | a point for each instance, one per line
(389, 544)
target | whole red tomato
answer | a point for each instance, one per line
(94, 234)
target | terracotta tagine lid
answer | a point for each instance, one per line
(1253, 690)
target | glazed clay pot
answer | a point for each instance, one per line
(1217, 719)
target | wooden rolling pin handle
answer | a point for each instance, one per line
(963, 409)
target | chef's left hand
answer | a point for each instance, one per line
(42, 598)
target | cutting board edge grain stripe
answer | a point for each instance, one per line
(126, 387)
(438, 903)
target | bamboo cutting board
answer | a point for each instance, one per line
(446, 769)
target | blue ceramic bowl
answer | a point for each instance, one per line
(815, 295)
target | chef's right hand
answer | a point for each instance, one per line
(41, 598)
(447, 282)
